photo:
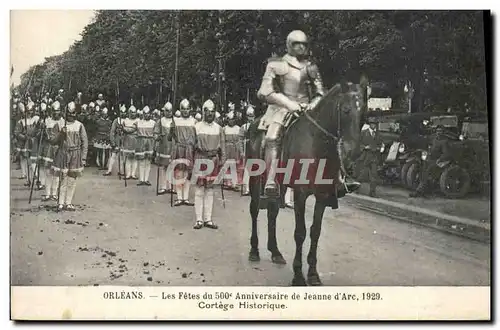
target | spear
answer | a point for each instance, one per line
(175, 94)
(26, 121)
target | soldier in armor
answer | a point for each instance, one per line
(115, 138)
(144, 146)
(162, 133)
(70, 157)
(209, 146)
(285, 88)
(103, 144)
(49, 151)
(184, 135)
(20, 131)
(243, 143)
(231, 137)
(129, 127)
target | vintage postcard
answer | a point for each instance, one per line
(250, 165)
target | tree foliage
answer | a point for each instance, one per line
(130, 54)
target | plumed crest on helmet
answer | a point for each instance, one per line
(184, 104)
(209, 105)
(168, 106)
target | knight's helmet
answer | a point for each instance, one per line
(250, 112)
(146, 110)
(123, 110)
(168, 106)
(132, 109)
(105, 111)
(295, 36)
(71, 108)
(177, 113)
(56, 106)
(208, 105)
(91, 105)
(231, 106)
(185, 107)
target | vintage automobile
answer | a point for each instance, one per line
(469, 169)
(414, 164)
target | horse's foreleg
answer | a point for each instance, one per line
(272, 244)
(254, 213)
(312, 274)
(300, 236)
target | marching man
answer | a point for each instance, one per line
(115, 137)
(184, 135)
(231, 137)
(210, 147)
(243, 143)
(70, 157)
(162, 134)
(102, 143)
(49, 151)
(144, 147)
(129, 127)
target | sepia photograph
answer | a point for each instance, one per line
(235, 149)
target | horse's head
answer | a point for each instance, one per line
(341, 111)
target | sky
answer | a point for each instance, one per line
(37, 34)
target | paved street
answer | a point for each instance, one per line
(129, 236)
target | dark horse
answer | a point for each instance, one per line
(315, 136)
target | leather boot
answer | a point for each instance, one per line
(271, 189)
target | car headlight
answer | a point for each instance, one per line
(401, 148)
(461, 137)
(424, 155)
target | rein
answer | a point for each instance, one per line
(321, 128)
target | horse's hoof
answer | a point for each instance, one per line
(254, 256)
(278, 259)
(314, 280)
(299, 281)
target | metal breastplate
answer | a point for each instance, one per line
(293, 84)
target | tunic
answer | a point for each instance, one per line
(231, 136)
(210, 144)
(114, 136)
(25, 131)
(73, 150)
(103, 126)
(129, 136)
(184, 135)
(164, 146)
(145, 139)
(48, 150)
